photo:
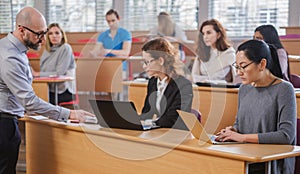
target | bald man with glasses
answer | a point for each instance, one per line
(16, 93)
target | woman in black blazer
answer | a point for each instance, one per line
(168, 90)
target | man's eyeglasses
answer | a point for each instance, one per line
(241, 68)
(148, 62)
(39, 35)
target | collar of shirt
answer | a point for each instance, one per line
(162, 83)
(19, 45)
(161, 87)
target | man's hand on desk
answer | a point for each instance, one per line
(79, 115)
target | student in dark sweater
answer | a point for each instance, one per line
(266, 105)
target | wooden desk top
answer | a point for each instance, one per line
(195, 87)
(102, 58)
(180, 140)
(52, 79)
(92, 58)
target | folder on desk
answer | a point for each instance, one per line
(218, 85)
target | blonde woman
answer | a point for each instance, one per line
(166, 27)
(58, 60)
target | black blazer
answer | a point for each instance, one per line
(178, 95)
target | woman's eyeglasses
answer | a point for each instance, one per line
(241, 68)
(148, 62)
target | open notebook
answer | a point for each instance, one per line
(198, 130)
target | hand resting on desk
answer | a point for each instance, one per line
(79, 115)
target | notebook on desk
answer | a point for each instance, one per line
(198, 130)
(219, 85)
(118, 114)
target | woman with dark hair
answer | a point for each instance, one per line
(168, 90)
(215, 55)
(268, 33)
(58, 60)
(266, 105)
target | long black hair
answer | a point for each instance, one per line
(270, 35)
(256, 50)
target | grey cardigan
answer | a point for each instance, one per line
(59, 61)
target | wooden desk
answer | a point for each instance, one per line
(61, 149)
(135, 66)
(217, 105)
(82, 48)
(95, 74)
(294, 66)
(99, 74)
(298, 104)
(292, 30)
(41, 83)
(35, 63)
(291, 46)
(41, 89)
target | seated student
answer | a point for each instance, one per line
(168, 89)
(266, 105)
(215, 55)
(58, 59)
(269, 34)
(168, 28)
(115, 41)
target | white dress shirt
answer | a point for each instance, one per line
(161, 87)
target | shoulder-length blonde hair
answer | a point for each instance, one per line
(160, 47)
(63, 40)
(166, 26)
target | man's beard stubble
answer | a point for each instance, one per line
(34, 46)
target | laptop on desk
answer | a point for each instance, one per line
(118, 114)
(198, 130)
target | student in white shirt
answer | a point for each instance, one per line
(215, 55)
